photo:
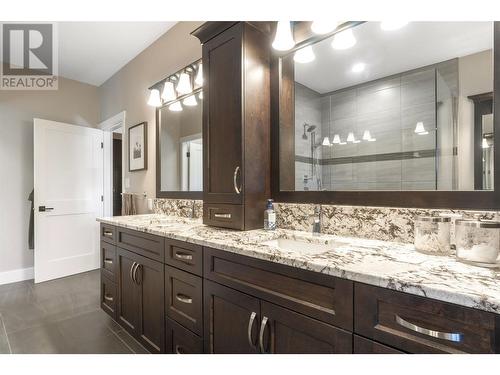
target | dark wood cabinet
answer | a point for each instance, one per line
(182, 341)
(141, 299)
(283, 331)
(236, 124)
(366, 346)
(231, 320)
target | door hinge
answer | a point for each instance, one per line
(188, 154)
(102, 198)
(102, 144)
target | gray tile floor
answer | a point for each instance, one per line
(60, 316)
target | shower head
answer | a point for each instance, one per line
(307, 128)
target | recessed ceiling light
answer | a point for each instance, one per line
(304, 55)
(392, 25)
(358, 67)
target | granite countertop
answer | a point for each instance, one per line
(386, 264)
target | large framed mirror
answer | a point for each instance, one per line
(179, 141)
(394, 115)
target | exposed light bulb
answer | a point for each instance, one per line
(420, 129)
(199, 75)
(350, 137)
(168, 93)
(358, 67)
(190, 101)
(392, 25)
(304, 55)
(326, 141)
(154, 98)
(184, 85)
(485, 143)
(175, 107)
(372, 139)
(336, 139)
(366, 135)
(323, 27)
(283, 40)
(201, 95)
(344, 40)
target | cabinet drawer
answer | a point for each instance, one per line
(144, 244)
(223, 215)
(422, 325)
(184, 296)
(323, 297)
(108, 260)
(182, 341)
(365, 346)
(108, 233)
(183, 255)
(108, 296)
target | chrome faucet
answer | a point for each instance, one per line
(316, 230)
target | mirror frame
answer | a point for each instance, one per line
(169, 194)
(282, 115)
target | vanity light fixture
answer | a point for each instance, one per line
(420, 129)
(366, 135)
(358, 67)
(154, 98)
(485, 143)
(392, 25)
(326, 142)
(323, 27)
(199, 75)
(168, 93)
(175, 107)
(350, 137)
(343, 40)
(190, 101)
(336, 139)
(184, 85)
(304, 55)
(283, 40)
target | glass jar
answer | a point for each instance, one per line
(432, 235)
(478, 242)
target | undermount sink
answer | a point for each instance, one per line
(300, 246)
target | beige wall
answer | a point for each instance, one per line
(75, 103)
(128, 90)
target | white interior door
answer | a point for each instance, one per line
(68, 166)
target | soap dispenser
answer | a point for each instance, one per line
(269, 216)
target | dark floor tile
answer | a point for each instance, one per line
(85, 327)
(23, 315)
(45, 339)
(110, 344)
(132, 343)
(4, 341)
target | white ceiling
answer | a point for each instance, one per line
(389, 52)
(92, 52)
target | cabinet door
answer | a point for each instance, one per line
(222, 117)
(149, 278)
(231, 320)
(283, 331)
(128, 295)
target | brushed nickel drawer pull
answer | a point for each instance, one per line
(108, 261)
(131, 274)
(183, 256)
(261, 335)
(183, 298)
(108, 298)
(179, 350)
(222, 216)
(107, 233)
(251, 321)
(235, 178)
(454, 337)
(137, 267)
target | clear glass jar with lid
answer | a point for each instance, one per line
(432, 235)
(478, 242)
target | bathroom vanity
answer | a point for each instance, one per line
(179, 286)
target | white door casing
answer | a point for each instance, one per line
(68, 177)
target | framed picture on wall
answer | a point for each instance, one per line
(138, 147)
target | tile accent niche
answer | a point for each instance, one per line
(389, 108)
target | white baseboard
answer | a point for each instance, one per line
(14, 276)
